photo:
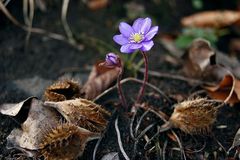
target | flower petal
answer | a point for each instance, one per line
(147, 45)
(152, 32)
(120, 39)
(126, 49)
(146, 25)
(125, 29)
(135, 46)
(137, 24)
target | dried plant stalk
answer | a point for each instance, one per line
(62, 90)
(194, 116)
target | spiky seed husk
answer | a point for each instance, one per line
(62, 90)
(83, 113)
(194, 116)
(66, 141)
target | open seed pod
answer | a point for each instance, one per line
(65, 141)
(194, 116)
(62, 90)
(83, 113)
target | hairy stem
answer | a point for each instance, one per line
(142, 89)
(119, 86)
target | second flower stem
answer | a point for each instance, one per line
(142, 89)
(120, 92)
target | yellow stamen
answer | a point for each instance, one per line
(137, 37)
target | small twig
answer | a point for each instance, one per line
(135, 80)
(120, 141)
(172, 76)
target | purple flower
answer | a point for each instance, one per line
(138, 36)
(112, 60)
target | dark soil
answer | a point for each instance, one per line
(26, 70)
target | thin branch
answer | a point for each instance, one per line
(172, 76)
(134, 80)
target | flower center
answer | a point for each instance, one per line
(137, 37)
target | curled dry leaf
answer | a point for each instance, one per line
(99, 79)
(197, 58)
(96, 4)
(83, 113)
(62, 90)
(31, 132)
(12, 109)
(214, 19)
(225, 86)
(65, 141)
(194, 116)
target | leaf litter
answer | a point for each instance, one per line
(65, 112)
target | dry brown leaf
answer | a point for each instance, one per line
(31, 132)
(99, 79)
(197, 58)
(43, 133)
(97, 4)
(83, 113)
(226, 86)
(215, 19)
(62, 90)
(12, 109)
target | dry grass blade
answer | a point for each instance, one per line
(35, 30)
(64, 21)
(28, 12)
(120, 141)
